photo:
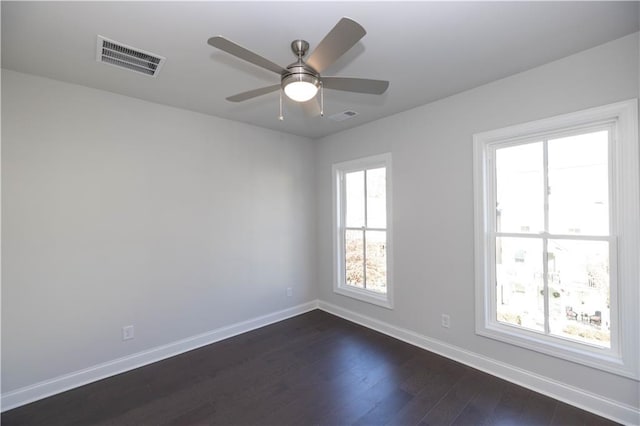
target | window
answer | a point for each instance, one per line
(362, 234)
(556, 213)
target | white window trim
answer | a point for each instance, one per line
(622, 359)
(339, 286)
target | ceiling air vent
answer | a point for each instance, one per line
(120, 55)
(344, 115)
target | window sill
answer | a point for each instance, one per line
(601, 359)
(366, 296)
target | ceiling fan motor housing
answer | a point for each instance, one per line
(299, 70)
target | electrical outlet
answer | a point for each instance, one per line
(446, 321)
(127, 332)
(289, 291)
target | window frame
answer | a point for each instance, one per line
(623, 237)
(338, 171)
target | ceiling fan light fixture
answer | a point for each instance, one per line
(300, 87)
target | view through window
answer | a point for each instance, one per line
(365, 229)
(552, 239)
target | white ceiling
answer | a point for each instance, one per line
(427, 50)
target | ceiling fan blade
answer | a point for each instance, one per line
(358, 85)
(245, 54)
(311, 108)
(253, 93)
(341, 38)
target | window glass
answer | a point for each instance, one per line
(354, 258)
(519, 284)
(579, 306)
(376, 198)
(365, 235)
(577, 280)
(376, 261)
(520, 188)
(354, 198)
(579, 184)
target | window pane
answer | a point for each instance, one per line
(354, 184)
(354, 258)
(519, 284)
(579, 184)
(376, 261)
(376, 198)
(579, 290)
(520, 189)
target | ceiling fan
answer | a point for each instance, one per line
(301, 80)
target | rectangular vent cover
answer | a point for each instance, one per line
(120, 55)
(344, 115)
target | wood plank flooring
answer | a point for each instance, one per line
(314, 369)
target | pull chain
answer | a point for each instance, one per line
(321, 99)
(281, 117)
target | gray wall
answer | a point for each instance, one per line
(433, 199)
(117, 211)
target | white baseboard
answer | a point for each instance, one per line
(596, 404)
(63, 383)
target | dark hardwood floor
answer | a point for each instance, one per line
(311, 369)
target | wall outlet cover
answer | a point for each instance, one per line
(127, 332)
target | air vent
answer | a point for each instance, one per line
(344, 115)
(120, 55)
